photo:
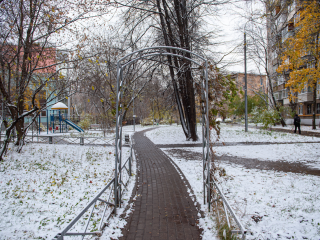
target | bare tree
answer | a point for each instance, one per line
(178, 24)
(264, 31)
(31, 65)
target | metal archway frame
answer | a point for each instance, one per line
(161, 51)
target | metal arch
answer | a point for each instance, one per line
(205, 118)
(162, 47)
(159, 54)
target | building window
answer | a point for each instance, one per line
(43, 113)
(261, 81)
(300, 110)
(304, 89)
(318, 108)
(309, 109)
(280, 80)
(278, 9)
(290, 26)
(292, 6)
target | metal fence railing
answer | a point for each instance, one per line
(220, 204)
(82, 140)
(92, 220)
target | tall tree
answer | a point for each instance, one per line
(301, 53)
(175, 23)
(29, 61)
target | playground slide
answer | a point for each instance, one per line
(79, 129)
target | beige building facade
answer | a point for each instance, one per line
(256, 82)
(280, 26)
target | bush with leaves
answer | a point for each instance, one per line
(287, 112)
(267, 117)
(85, 122)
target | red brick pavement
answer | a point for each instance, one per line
(163, 208)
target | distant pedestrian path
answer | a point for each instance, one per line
(163, 208)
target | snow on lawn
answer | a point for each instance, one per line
(303, 128)
(270, 204)
(46, 186)
(231, 133)
(174, 135)
(171, 135)
(299, 152)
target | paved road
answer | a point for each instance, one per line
(163, 208)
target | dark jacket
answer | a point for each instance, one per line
(296, 120)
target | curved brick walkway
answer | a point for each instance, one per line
(163, 208)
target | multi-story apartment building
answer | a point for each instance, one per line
(280, 26)
(256, 82)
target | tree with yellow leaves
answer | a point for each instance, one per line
(301, 54)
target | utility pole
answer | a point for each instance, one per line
(134, 116)
(68, 76)
(245, 82)
(153, 112)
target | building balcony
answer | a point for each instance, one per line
(286, 101)
(305, 97)
(286, 35)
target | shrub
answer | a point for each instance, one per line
(266, 117)
(85, 122)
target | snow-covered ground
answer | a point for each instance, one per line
(231, 133)
(46, 186)
(285, 205)
(303, 128)
(174, 135)
(171, 135)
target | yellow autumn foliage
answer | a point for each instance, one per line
(301, 51)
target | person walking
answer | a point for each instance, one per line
(296, 122)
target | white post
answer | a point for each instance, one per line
(69, 93)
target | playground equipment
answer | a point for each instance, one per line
(58, 120)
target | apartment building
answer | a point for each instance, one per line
(281, 25)
(256, 82)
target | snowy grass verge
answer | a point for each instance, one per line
(231, 133)
(167, 134)
(299, 152)
(174, 135)
(46, 186)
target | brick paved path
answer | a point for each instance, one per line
(163, 208)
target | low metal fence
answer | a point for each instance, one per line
(220, 204)
(92, 220)
(82, 140)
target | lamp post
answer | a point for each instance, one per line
(245, 80)
(152, 112)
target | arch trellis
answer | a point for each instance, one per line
(145, 54)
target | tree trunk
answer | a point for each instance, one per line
(184, 91)
(20, 131)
